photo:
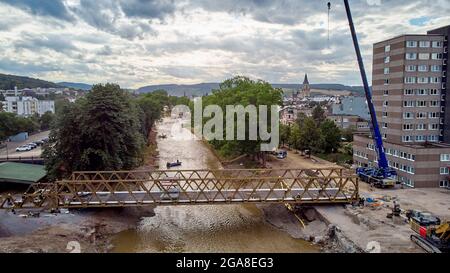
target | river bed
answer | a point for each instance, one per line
(203, 228)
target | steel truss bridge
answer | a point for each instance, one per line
(189, 187)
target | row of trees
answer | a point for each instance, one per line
(316, 133)
(108, 129)
(12, 124)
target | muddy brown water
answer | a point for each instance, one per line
(205, 228)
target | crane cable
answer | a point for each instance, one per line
(329, 8)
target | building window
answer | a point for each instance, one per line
(434, 92)
(437, 44)
(433, 126)
(433, 115)
(411, 56)
(421, 115)
(385, 103)
(407, 138)
(435, 79)
(434, 103)
(409, 92)
(411, 43)
(386, 71)
(387, 59)
(436, 68)
(385, 92)
(421, 138)
(408, 127)
(411, 68)
(433, 138)
(424, 44)
(424, 56)
(443, 170)
(437, 56)
(423, 68)
(445, 157)
(422, 80)
(408, 115)
(422, 92)
(421, 103)
(384, 114)
(443, 184)
(409, 103)
(387, 48)
(421, 126)
(410, 80)
(386, 81)
(384, 125)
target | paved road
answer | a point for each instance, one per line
(13, 145)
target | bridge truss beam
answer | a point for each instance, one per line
(189, 187)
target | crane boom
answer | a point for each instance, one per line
(375, 129)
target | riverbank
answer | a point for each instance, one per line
(91, 229)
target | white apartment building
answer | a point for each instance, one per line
(27, 106)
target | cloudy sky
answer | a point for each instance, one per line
(140, 42)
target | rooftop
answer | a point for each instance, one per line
(21, 173)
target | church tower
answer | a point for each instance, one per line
(306, 89)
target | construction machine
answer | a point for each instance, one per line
(431, 235)
(382, 176)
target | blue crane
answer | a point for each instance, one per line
(383, 175)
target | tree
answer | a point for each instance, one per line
(242, 91)
(318, 114)
(285, 131)
(100, 132)
(330, 136)
(309, 136)
(294, 137)
(46, 120)
(8, 125)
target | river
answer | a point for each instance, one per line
(208, 228)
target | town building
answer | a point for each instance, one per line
(27, 106)
(351, 106)
(350, 122)
(409, 89)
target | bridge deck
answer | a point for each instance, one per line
(180, 187)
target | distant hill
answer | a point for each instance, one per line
(10, 81)
(75, 85)
(204, 88)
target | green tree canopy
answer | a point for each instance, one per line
(100, 132)
(330, 136)
(242, 91)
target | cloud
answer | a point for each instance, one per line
(148, 9)
(137, 42)
(52, 8)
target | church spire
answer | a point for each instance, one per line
(306, 79)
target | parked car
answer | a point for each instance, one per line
(32, 145)
(39, 142)
(45, 140)
(24, 148)
(281, 154)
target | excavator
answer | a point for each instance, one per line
(431, 235)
